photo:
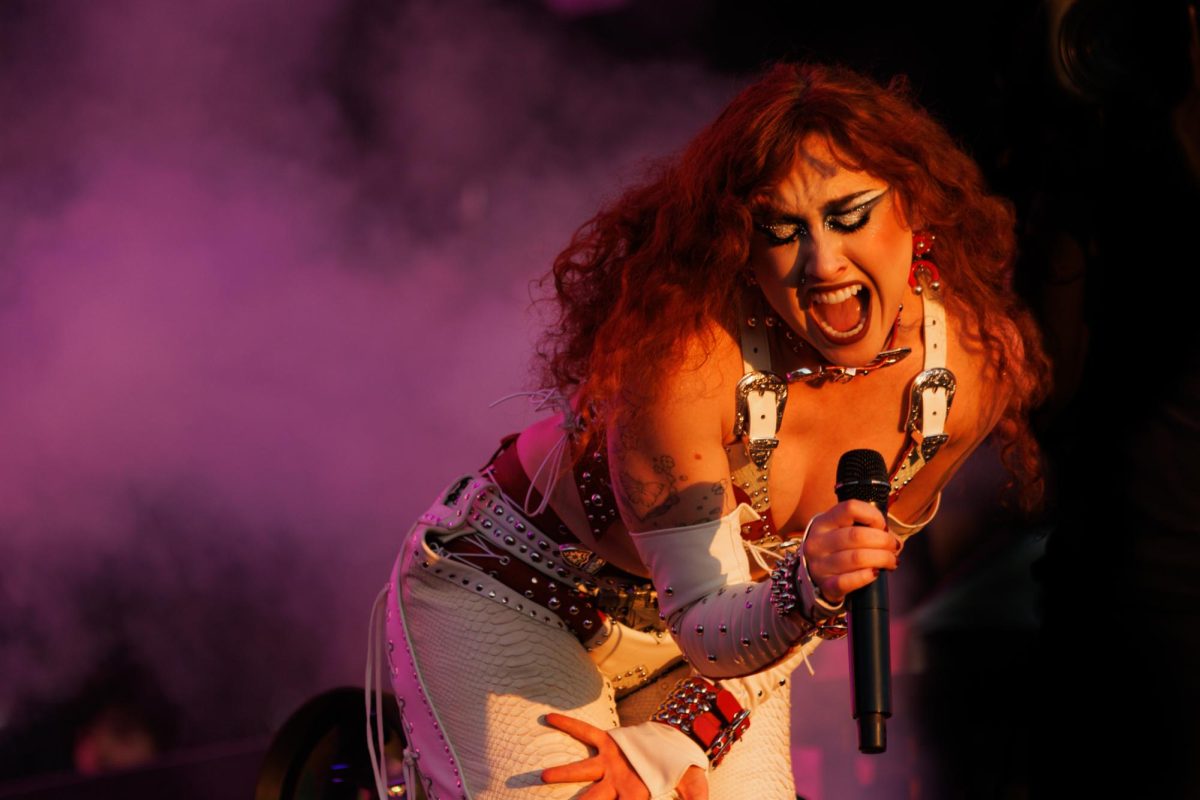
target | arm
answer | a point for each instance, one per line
(687, 533)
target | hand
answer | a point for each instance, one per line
(613, 776)
(846, 547)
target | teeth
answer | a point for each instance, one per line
(837, 296)
(836, 334)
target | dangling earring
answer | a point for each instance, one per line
(748, 278)
(922, 264)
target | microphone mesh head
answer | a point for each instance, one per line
(865, 470)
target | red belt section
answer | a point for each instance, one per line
(576, 609)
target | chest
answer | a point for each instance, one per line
(822, 423)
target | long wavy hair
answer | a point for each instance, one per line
(659, 266)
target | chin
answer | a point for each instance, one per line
(857, 353)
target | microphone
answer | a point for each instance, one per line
(862, 475)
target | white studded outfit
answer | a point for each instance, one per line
(493, 619)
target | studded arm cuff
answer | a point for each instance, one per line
(710, 715)
(793, 593)
(723, 622)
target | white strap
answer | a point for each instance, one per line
(934, 399)
(756, 357)
(756, 351)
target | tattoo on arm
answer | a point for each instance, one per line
(650, 500)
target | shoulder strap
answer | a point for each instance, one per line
(931, 393)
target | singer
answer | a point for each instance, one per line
(820, 270)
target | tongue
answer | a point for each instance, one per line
(842, 316)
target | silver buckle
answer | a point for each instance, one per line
(580, 558)
(936, 378)
(761, 382)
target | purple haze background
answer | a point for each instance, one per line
(265, 265)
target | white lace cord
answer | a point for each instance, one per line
(477, 540)
(410, 774)
(760, 554)
(373, 684)
(543, 400)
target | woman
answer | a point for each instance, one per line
(820, 271)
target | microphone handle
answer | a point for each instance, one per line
(870, 663)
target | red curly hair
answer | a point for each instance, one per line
(656, 268)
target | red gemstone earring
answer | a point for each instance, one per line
(921, 263)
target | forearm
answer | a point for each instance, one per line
(725, 624)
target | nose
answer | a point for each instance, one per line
(823, 259)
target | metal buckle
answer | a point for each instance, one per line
(831, 628)
(760, 450)
(727, 736)
(931, 379)
(581, 558)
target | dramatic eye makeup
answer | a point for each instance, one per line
(782, 232)
(782, 228)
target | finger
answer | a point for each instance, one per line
(851, 538)
(836, 588)
(590, 769)
(693, 785)
(852, 512)
(859, 537)
(588, 734)
(844, 561)
(600, 791)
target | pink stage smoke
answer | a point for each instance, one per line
(266, 265)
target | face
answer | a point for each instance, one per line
(831, 253)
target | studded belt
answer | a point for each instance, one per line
(482, 540)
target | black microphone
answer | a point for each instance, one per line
(862, 475)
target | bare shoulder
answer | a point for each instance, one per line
(982, 395)
(667, 455)
(984, 389)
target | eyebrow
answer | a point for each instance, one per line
(834, 206)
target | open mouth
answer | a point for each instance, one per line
(841, 313)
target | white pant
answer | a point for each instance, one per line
(479, 676)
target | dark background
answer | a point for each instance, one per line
(266, 264)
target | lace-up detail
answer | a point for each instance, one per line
(544, 400)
